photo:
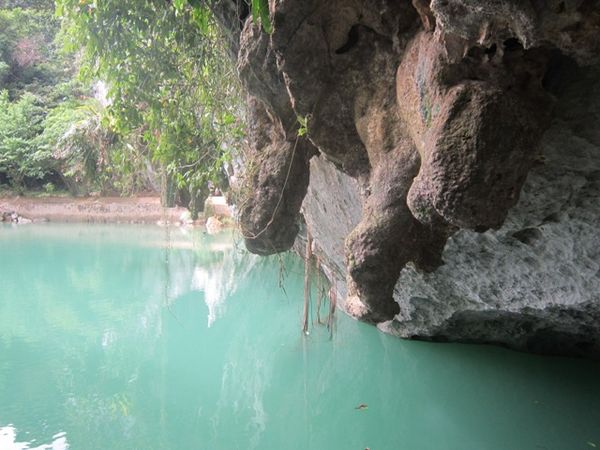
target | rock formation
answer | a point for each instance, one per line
(455, 143)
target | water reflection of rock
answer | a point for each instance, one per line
(214, 266)
(175, 263)
(220, 280)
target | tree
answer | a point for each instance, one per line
(20, 126)
(47, 5)
(35, 78)
(28, 57)
(170, 81)
(52, 128)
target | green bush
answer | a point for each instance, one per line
(21, 156)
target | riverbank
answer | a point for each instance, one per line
(145, 209)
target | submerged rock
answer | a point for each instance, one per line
(455, 161)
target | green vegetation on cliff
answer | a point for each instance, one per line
(170, 82)
(170, 116)
(51, 129)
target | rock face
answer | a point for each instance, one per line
(533, 284)
(455, 191)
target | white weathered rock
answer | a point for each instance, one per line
(186, 218)
(213, 225)
(532, 285)
(23, 220)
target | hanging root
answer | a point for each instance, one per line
(320, 290)
(307, 262)
(332, 305)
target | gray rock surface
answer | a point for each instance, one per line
(331, 209)
(533, 284)
(467, 136)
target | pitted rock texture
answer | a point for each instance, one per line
(278, 175)
(533, 284)
(436, 109)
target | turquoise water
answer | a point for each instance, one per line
(144, 338)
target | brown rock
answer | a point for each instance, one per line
(436, 108)
(274, 186)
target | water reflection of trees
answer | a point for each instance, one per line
(97, 298)
(104, 282)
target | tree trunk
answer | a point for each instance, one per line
(167, 190)
(197, 198)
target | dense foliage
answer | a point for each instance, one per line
(170, 83)
(33, 81)
(49, 122)
(171, 113)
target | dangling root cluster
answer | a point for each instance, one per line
(322, 293)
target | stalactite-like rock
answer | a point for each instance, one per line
(437, 109)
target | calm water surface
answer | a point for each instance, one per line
(123, 337)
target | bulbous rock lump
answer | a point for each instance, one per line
(436, 108)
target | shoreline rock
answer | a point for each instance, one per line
(146, 210)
